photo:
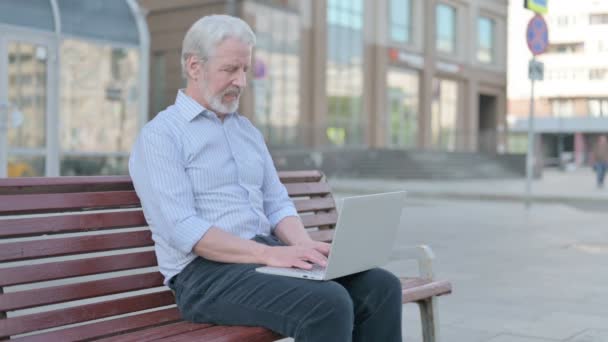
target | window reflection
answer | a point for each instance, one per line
(276, 74)
(401, 21)
(443, 114)
(345, 72)
(98, 108)
(446, 28)
(27, 93)
(485, 44)
(402, 120)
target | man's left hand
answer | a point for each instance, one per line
(321, 247)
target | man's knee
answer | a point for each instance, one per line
(333, 307)
(383, 284)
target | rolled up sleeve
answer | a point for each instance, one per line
(277, 204)
(159, 176)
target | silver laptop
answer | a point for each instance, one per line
(363, 239)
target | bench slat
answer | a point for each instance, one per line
(32, 185)
(226, 334)
(325, 235)
(315, 204)
(307, 189)
(89, 289)
(36, 203)
(317, 220)
(56, 318)
(25, 250)
(156, 333)
(73, 268)
(22, 227)
(29, 185)
(162, 318)
(300, 176)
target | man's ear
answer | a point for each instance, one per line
(194, 67)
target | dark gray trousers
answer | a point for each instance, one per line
(361, 307)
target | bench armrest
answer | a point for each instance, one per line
(422, 253)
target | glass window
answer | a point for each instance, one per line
(402, 115)
(31, 13)
(485, 39)
(598, 107)
(598, 18)
(443, 114)
(562, 107)
(99, 99)
(345, 120)
(400, 12)
(106, 20)
(27, 92)
(446, 28)
(276, 74)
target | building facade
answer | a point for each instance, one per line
(401, 74)
(73, 86)
(571, 103)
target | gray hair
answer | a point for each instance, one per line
(208, 32)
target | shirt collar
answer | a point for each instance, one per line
(190, 109)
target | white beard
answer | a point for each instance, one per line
(216, 104)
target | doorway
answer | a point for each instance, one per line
(487, 135)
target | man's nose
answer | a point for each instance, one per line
(240, 80)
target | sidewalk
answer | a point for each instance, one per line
(554, 187)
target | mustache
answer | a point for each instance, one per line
(235, 91)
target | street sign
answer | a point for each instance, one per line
(538, 6)
(537, 35)
(536, 70)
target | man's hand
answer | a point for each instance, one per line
(321, 247)
(295, 256)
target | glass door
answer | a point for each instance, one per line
(25, 106)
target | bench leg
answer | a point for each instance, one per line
(429, 319)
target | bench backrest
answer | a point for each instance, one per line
(77, 249)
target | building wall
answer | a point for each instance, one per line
(571, 103)
(358, 83)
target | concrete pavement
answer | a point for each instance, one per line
(518, 275)
(554, 187)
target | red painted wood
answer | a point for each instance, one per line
(31, 185)
(56, 318)
(73, 268)
(22, 227)
(300, 176)
(156, 333)
(325, 235)
(89, 289)
(315, 204)
(318, 220)
(35, 203)
(148, 320)
(25, 250)
(307, 189)
(227, 334)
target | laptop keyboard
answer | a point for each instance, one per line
(316, 270)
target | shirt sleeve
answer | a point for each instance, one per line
(159, 176)
(277, 204)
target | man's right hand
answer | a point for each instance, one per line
(293, 256)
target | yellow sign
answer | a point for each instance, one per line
(538, 6)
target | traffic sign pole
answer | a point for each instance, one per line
(537, 37)
(530, 159)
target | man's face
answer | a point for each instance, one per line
(223, 76)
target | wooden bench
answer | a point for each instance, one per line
(77, 263)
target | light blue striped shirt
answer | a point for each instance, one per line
(192, 172)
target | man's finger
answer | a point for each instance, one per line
(302, 264)
(316, 257)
